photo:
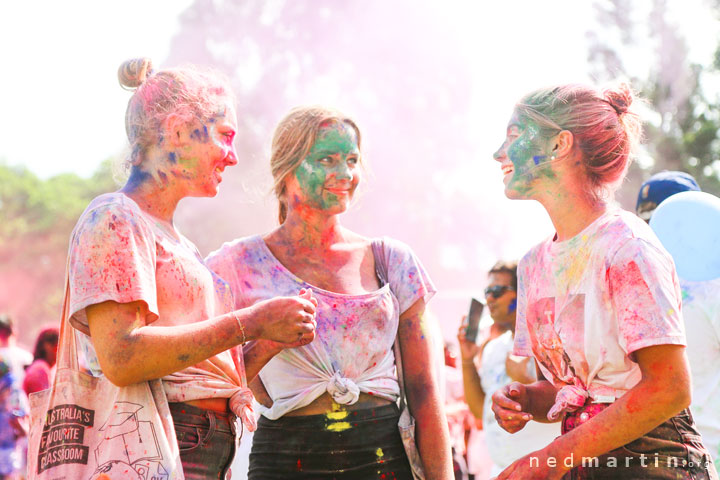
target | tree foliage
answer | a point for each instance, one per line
(683, 118)
(37, 218)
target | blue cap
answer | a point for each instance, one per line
(661, 186)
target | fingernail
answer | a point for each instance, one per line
(517, 407)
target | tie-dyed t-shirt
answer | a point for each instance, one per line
(353, 348)
(120, 253)
(587, 303)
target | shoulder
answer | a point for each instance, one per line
(230, 251)
(628, 237)
(109, 211)
(395, 247)
(534, 256)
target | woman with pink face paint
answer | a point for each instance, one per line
(330, 407)
(147, 305)
(598, 303)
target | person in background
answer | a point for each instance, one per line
(456, 411)
(39, 375)
(497, 368)
(701, 312)
(13, 402)
(661, 186)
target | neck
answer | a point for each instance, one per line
(305, 227)
(572, 212)
(155, 191)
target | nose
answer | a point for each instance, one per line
(499, 154)
(345, 171)
(231, 157)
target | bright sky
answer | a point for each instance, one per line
(62, 109)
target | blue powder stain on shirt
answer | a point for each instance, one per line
(172, 158)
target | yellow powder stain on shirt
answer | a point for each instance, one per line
(339, 426)
(671, 311)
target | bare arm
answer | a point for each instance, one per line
(433, 439)
(472, 386)
(663, 391)
(517, 368)
(130, 351)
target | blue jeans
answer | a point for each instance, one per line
(206, 439)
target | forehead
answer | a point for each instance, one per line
(336, 134)
(500, 278)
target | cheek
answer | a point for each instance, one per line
(309, 178)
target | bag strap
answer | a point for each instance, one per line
(381, 270)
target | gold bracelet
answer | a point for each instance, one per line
(242, 327)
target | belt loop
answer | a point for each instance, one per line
(211, 428)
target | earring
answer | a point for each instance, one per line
(552, 157)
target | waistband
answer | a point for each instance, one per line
(321, 420)
(184, 413)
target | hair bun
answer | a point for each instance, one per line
(619, 97)
(132, 73)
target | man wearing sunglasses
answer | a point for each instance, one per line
(496, 368)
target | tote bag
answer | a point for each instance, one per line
(86, 428)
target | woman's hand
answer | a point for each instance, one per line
(535, 466)
(289, 321)
(510, 405)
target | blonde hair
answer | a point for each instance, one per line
(604, 126)
(187, 92)
(292, 141)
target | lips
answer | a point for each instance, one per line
(507, 168)
(218, 174)
(339, 191)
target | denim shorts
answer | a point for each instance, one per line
(363, 445)
(206, 439)
(673, 450)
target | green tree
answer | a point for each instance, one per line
(37, 217)
(682, 120)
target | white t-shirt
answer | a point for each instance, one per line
(587, 303)
(353, 348)
(118, 252)
(505, 447)
(701, 310)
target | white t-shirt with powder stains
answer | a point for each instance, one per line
(587, 303)
(353, 348)
(120, 253)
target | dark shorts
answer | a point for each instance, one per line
(673, 450)
(364, 445)
(206, 440)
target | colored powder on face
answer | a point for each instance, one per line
(201, 135)
(312, 173)
(512, 306)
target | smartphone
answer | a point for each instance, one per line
(473, 319)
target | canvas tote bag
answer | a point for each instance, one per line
(86, 428)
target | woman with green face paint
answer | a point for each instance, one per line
(598, 303)
(330, 407)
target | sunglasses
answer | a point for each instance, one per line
(496, 291)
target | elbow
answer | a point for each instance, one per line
(118, 377)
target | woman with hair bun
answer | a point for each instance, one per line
(598, 303)
(141, 290)
(330, 410)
